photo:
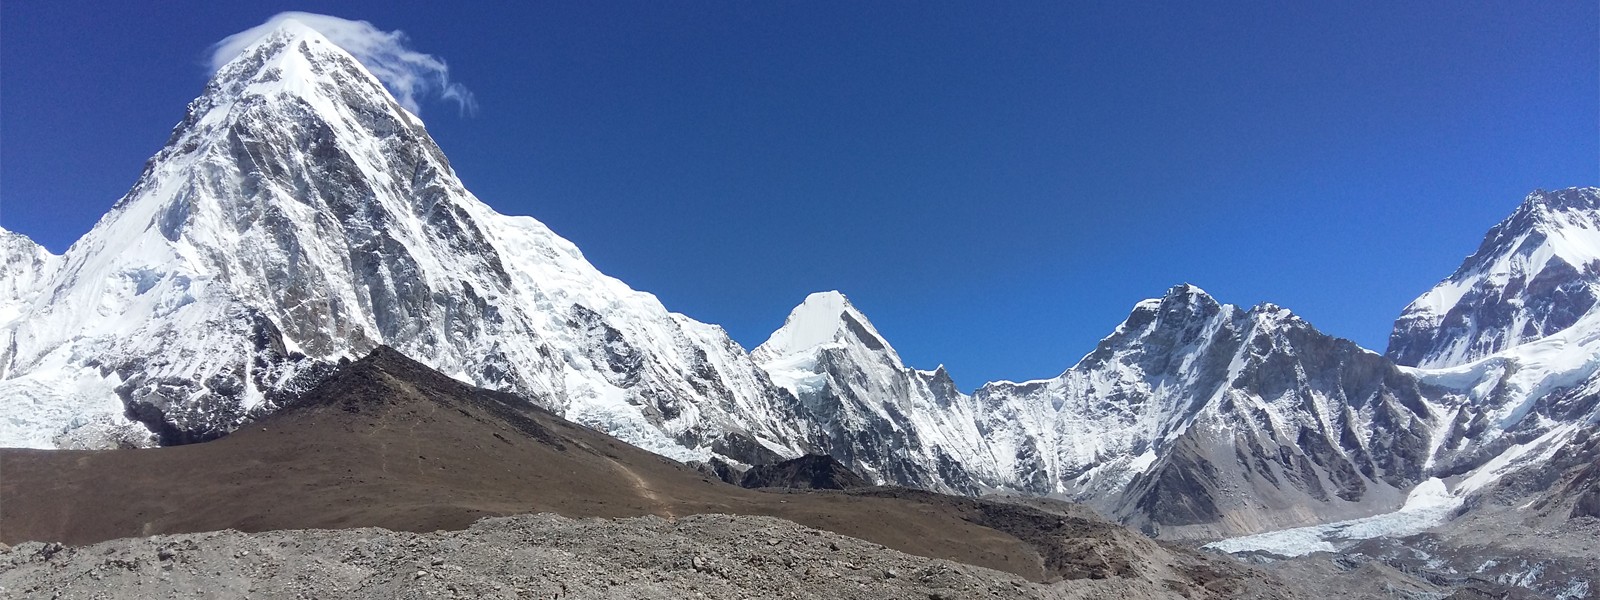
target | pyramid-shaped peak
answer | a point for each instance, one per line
(295, 60)
(1546, 213)
(1561, 224)
(823, 318)
(290, 28)
(327, 45)
(275, 39)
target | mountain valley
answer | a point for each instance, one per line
(299, 318)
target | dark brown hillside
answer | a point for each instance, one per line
(389, 443)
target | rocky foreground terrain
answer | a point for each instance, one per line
(549, 556)
(701, 556)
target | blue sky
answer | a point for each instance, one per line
(995, 185)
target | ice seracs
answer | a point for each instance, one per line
(24, 269)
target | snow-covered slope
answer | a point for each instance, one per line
(298, 215)
(1196, 418)
(1536, 274)
(1517, 331)
(24, 267)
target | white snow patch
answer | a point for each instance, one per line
(1428, 504)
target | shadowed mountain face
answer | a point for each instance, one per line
(1195, 418)
(811, 472)
(387, 442)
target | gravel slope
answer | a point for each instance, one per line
(535, 556)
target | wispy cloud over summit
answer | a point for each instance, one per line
(410, 75)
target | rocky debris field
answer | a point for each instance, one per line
(530, 556)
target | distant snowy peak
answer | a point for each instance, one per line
(824, 318)
(1536, 274)
(891, 423)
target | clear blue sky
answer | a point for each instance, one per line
(994, 186)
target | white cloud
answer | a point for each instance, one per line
(410, 75)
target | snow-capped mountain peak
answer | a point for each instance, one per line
(824, 318)
(299, 215)
(1535, 274)
(295, 60)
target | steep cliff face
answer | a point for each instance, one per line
(1198, 419)
(299, 215)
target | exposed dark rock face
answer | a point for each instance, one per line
(1182, 491)
(1572, 478)
(811, 472)
(720, 470)
(745, 449)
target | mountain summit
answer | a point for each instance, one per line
(824, 318)
(299, 215)
(1536, 273)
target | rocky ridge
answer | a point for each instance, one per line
(1192, 414)
(1536, 274)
